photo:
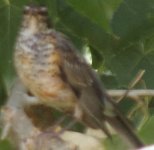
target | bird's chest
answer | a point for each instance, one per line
(38, 66)
(34, 56)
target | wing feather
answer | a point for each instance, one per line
(78, 72)
(96, 105)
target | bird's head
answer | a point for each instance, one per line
(35, 18)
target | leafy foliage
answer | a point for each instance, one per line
(119, 33)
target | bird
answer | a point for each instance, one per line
(51, 68)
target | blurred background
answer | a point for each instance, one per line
(115, 36)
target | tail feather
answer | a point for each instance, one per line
(123, 128)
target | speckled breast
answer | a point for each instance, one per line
(38, 66)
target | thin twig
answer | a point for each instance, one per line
(136, 79)
(132, 93)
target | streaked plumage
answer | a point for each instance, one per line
(52, 70)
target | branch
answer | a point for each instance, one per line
(131, 93)
(28, 129)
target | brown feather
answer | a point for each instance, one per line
(96, 105)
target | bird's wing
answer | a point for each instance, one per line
(75, 67)
(80, 76)
(96, 104)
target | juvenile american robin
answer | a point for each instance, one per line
(52, 70)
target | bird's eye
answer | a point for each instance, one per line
(41, 10)
(26, 9)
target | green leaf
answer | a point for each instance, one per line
(147, 132)
(10, 18)
(133, 18)
(116, 143)
(82, 26)
(96, 10)
(5, 145)
(123, 61)
(3, 91)
(133, 22)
